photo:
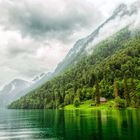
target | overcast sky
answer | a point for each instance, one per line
(35, 35)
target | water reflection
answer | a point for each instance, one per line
(70, 125)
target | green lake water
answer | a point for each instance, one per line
(69, 125)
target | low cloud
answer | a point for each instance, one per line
(128, 16)
(48, 19)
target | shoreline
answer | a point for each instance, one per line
(86, 105)
(109, 105)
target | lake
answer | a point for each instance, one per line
(69, 125)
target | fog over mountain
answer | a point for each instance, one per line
(124, 15)
(33, 41)
(13, 91)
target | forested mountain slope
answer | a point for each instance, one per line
(122, 16)
(111, 71)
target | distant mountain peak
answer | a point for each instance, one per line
(18, 80)
(12, 91)
(38, 77)
(121, 7)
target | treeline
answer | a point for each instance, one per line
(111, 71)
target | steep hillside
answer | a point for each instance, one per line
(111, 71)
(120, 18)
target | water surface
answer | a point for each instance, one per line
(69, 125)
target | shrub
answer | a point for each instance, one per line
(120, 103)
(93, 104)
(111, 104)
(76, 102)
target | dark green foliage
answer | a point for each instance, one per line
(126, 92)
(76, 102)
(133, 95)
(114, 64)
(120, 103)
(116, 89)
(97, 93)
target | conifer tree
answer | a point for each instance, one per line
(133, 93)
(126, 94)
(97, 93)
(116, 90)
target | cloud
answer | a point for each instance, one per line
(37, 34)
(26, 57)
(128, 16)
(51, 18)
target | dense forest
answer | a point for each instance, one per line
(112, 71)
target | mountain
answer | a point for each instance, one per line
(113, 62)
(83, 45)
(37, 82)
(36, 78)
(102, 57)
(41, 78)
(18, 88)
(12, 91)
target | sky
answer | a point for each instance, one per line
(35, 35)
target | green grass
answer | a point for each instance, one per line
(87, 105)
